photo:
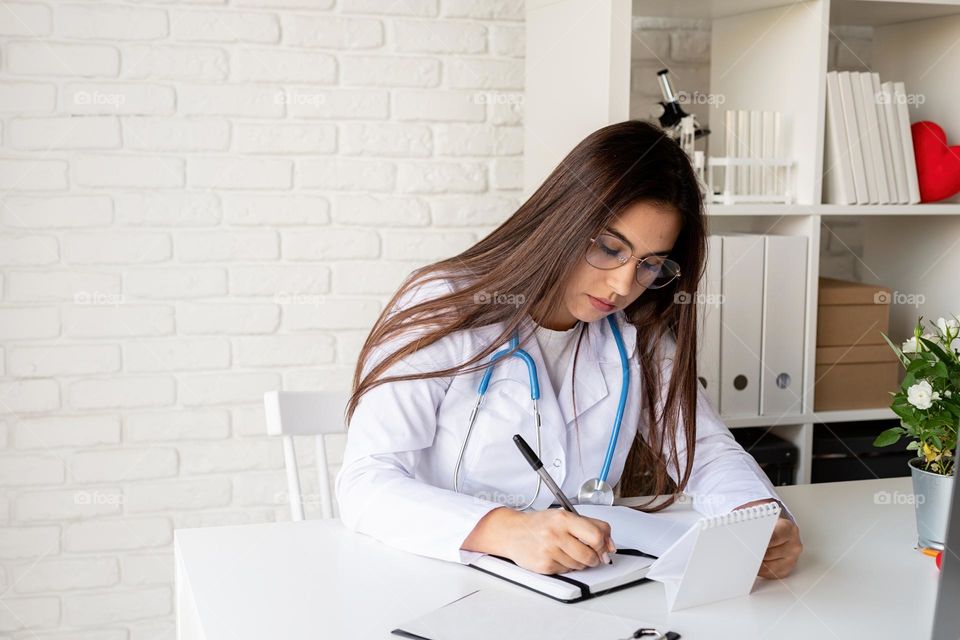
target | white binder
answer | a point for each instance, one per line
(708, 307)
(741, 324)
(784, 294)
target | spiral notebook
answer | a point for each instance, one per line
(698, 559)
(716, 559)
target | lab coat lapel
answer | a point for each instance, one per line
(518, 388)
(598, 359)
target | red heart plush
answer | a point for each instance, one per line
(938, 165)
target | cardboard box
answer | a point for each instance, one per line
(855, 377)
(852, 313)
(855, 367)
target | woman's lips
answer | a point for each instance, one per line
(600, 305)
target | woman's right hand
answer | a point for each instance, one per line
(555, 540)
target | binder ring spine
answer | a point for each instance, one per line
(741, 515)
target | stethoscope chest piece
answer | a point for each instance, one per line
(595, 491)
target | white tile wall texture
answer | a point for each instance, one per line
(202, 201)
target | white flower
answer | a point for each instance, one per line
(921, 395)
(948, 393)
(955, 344)
(910, 346)
(944, 324)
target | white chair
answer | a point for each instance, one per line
(306, 413)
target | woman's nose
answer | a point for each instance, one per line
(621, 279)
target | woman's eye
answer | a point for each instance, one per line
(610, 251)
(651, 266)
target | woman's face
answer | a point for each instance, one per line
(590, 293)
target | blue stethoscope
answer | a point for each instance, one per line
(593, 491)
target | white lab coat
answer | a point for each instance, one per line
(396, 481)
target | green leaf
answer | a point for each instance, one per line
(918, 365)
(903, 359)
(940, 370)
(935, 348)
(905, 412)
(888, 437)
(913, 446)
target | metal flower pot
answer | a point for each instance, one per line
(932, 502)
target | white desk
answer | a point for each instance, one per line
(859, 576)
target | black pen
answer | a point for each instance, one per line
(537, 465)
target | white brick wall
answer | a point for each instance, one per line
(202, 202)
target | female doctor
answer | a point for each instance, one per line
(570, 324)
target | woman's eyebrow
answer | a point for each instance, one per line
(617, 234)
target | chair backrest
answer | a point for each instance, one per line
(306, 413)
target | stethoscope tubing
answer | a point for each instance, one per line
(513, 350)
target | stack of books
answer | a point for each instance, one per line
(868, 148)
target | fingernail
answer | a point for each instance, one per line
(606, 558)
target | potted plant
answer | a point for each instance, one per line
(928, 405)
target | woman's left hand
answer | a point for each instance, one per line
(784, 548)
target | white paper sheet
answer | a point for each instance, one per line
(491, 613)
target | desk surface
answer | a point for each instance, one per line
(859, 576)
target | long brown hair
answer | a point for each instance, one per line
(532, 254)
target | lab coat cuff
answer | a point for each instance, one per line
(464, 556)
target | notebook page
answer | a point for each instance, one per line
(603, 576)
(651, 533)
(492, 613)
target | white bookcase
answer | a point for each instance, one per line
(770, 54)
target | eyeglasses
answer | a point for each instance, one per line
(609, 252)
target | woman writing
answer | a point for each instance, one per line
(582, 300)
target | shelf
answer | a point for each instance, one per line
(854, 415)
(944, 209)
(875, 14)
(705, 9)
(817, 417)
(855, 12)
(935, 209)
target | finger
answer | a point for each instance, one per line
(783, 533)
(582, 552)
(595, 533)
(777, 569)
(570, 563)
(779, 572)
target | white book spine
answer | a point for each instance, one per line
(906, 138)
(863, 135)
(873, 135)
(838, 187)
(891, 178)
(896, 144)
(854, 150)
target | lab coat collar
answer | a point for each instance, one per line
(597, 360)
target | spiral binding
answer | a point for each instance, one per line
(741, 515)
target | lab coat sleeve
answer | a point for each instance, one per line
(723, 476)
(376, 489)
